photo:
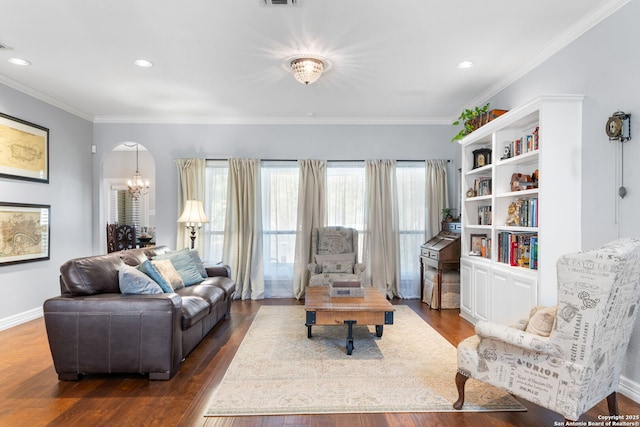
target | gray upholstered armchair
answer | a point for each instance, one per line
(335, 256)
(576, 362)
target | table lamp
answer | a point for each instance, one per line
(193, 217)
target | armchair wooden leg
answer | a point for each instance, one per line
(460, 382)
(612, 403)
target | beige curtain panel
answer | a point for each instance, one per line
(381, 244)
(191, 186)
(242, 248)
(311, 214)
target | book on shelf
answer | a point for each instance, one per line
(484, 215)
(523, 213)
(518, 249)
(526, 143)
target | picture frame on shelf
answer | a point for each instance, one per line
(475, 244)
(25, 233)
(25, 148)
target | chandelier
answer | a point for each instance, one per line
(307, 69)
(136, 186)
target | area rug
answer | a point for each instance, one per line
(277, 370)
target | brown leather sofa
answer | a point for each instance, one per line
(93, 328)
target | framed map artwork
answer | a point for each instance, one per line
(24, 233)
(24, 150)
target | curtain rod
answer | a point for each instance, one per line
(334, 161)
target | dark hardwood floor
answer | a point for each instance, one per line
(31, 395)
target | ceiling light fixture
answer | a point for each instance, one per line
(18, 61)
(143, 63)
(307, 69)
(465, 64)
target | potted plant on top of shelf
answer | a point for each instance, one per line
(470, 120)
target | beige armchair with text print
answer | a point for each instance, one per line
(578, 363)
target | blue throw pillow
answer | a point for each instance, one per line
(195, 256)
(184, 265)
(134, 281)
(147, 268)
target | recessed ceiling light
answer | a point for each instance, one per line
(143, 63)
(18, 61)
(465, 64)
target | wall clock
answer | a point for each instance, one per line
(618, 127)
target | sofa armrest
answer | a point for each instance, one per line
(218, 270)
(313, 268)
(115, 333)
(516, 337)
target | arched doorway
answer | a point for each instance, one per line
(119, 205)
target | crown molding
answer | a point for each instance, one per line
(44, 98)
(274, 120)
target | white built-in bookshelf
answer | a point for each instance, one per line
(514, 228)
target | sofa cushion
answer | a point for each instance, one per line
(184, 264)
(194, 309)
(150, 270)
(337, 267)
(224, 283)
(92, 275)
(134, 281)
(168, 271)
(210, 293)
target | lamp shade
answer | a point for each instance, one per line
(193, 213)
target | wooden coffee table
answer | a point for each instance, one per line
(324, 310)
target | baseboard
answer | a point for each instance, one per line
(15, 320)
(629, 388)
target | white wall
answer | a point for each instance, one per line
(603, 64)
(332, 142)
(26, 286)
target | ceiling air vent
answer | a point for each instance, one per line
(280, 2)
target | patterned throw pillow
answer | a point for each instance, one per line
(337, 267)
(133, 281)
(168, 271)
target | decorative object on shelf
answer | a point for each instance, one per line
(307, 69)
(473, 119)
(513, 213)
(136, 186)
(25, 149)
(618, 128)
(471, 192)
(481, 157)
(447, 214)
(25, 232)
(522, 182)
(476, 244)
(193, 217)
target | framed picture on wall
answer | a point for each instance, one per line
(24, 150)
(25, 232)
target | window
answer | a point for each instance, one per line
(410, 177)
(279, 215)
(345, 197)
(345, 207)
(217, 176)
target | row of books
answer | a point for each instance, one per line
(522, 145)
(518, 249)
(523, 213)
(484, 215)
